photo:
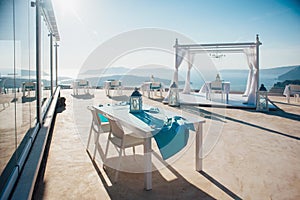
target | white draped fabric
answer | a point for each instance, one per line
(180, 53)
(252, 76)
(187, 86)
(178, 60)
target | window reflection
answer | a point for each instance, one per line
(17, 77)
(25, 77)
(7, 125)
(45, 65)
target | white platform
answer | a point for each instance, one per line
(234, 100)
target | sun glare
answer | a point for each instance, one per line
(67, 6)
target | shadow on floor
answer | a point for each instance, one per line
(40, 185)
(28, 99)
(219, 185)
(203, 113)
(130, 185)
(288, 104)
(83, 96)
(120, 98)
(279, 113)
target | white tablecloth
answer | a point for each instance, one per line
(206, 88)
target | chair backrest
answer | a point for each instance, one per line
(83, 83)
(116, 128)
(216, 85)
(155, 85)
(96, 119)
(115, 83)
(29, 85)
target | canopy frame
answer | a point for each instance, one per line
(192, 49)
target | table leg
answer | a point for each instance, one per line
(227, 94)
(148, 164)
(199, 139)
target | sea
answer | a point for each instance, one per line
(238, 80)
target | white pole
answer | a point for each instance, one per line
(38, 63)
(258, 43)
(257, 64)
(176, 62)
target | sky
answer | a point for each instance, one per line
(84, 25)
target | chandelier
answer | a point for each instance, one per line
(217, 54)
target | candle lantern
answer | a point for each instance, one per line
(262, 99)
(135, 102)
(174, 95)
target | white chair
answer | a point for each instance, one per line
(216, 87)
(295, 90)
(121, 141)
(154, 87)
(81, 84)
(97, 126)
(115, 85)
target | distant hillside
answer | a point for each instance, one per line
(112, 70)
(293, 74)
(278, 73)
(278, 70)
(157, 71)
(19, 72)
(127, 80)
(275, 71)
(25, 72)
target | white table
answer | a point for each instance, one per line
(121, 113)
(145, 87)
(291, 90)
(206, 88)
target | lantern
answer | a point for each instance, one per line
(262, 99)
(174, 95)
(135, 102)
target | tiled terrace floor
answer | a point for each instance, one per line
(248, 155)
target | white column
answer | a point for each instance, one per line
(148, 164)
(199, 147)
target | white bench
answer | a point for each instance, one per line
(292, 89)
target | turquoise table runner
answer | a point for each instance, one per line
(102, 118)
(173, 135)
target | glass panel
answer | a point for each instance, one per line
(54, 67)
(45, 65)
(7, 109)
(17, 79)
(32, 62)
(25, 77)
